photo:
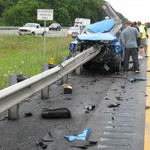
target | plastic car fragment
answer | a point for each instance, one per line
(135, 79)
(82, 143)
(113, 105)
(82, 136)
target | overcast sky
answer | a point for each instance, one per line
(133, 10)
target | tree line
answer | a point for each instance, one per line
(19, 12)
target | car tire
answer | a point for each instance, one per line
(33, 33)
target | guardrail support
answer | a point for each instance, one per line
(65, 78)
(78, 71)
(45, 91)
(13, 112)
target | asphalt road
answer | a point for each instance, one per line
(61, 33)
(116, 128)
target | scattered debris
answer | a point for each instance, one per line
(82, 136)
(48, 137)
(67, 88)
(56, 113)
(147, 107)
(135, 79)
(28, 114)
(86, 111)
(83, 143)
(43, 145)
(112, 118)
(113, 105)
(106, 98)
(90, 107)
(122, 86)
(119, 98)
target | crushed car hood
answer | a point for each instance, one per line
(105, 25)
(97, 37)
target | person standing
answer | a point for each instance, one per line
(138, 40)
(128, 37)
(146, 42)
(143, 39)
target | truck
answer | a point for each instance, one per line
(31, 29)
(82, 22)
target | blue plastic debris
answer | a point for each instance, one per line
(135, 79)
(106, 98)
(82, 136)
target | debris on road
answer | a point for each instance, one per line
(56, 113)
(67, 88)
(82, 143)
(106, 98)
(90, 107)
(28, 114)
(147, 107)
(48, 137)
(82, 136)
(113, 105)
(135, 79)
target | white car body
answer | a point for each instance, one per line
(31, 28)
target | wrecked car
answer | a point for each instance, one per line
(105, 35)
(98, 34)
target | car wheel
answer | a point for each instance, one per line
(43, 33)
(33, 33)
(49, 29)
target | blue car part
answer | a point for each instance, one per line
(97, 37)
(82, 136)
(105, 25)
(135, 79)
(118, 47)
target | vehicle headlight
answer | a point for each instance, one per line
(69, 32)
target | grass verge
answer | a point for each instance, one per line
(25, 54)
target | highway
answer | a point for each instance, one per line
(61, 33)
(118, 120)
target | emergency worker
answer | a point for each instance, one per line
(146, 42)
(128, 37)
(143, 39)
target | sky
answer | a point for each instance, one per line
(133, 10)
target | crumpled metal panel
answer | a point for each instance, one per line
(105, 25)
(97, 36)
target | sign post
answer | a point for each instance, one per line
(44, 14)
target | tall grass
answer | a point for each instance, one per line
(25, 54)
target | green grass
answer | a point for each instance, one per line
(25, 54)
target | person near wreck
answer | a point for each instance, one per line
(129, 36)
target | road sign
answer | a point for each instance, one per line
(44, 14)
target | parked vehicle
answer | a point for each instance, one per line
(55, 26)
(103, 35)
(31, 29)
(74, 30)
(82, 22)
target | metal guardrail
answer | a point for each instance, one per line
(16, 93)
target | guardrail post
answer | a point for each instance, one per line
(78, 70)
(13, 112)
(65, 78)
(45, 91)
